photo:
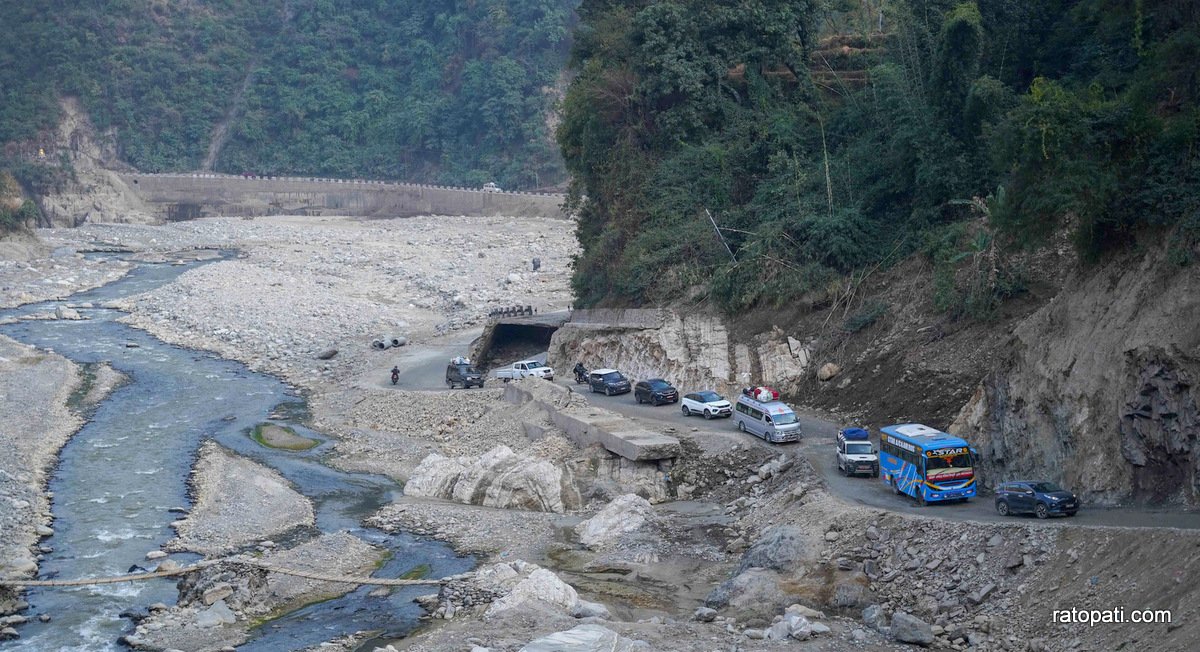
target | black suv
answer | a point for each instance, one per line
(655, 391)
(464, 375)
(1041, 499)
(609, 381)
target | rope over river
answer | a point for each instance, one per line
(198, 566)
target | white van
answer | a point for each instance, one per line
(773, 420)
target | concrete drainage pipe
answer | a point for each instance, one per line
(379, 344)
(398, 341)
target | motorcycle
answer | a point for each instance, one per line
(395, 376)
(581, 376)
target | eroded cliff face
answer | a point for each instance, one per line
(94, 193)
(695, 351)
(1098, 390)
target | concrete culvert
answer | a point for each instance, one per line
(379, 344)
(398, 341)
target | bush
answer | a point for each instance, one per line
(865, 316)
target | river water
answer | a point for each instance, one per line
(120, 476)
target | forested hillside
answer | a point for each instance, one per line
(449, 92)
(828, 137)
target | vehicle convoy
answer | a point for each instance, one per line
(855, 453)
(609, 381)
(708, 403)
(926, 463)
(655, 391)
(759, 411)
(1042, 499)
(461, 372)
(524, 369)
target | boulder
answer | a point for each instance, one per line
(910, 629)
(542, 587)
(218, 614)
(828, 371)
(793, 625)
(585, 638)
(781, 548)
(586, 609)
(498, 478)
(63, 312)
(624, 514)
(874, 617)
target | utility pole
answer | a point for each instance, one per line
(719, 236)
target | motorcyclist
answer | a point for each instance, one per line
(395, 374)
(580, 372)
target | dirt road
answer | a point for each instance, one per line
(818, 447)
(422, 368)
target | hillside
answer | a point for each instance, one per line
(440, 92)
(828, 139)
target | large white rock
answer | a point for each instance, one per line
(585, 638)
(624, 514)
(498, 478)
(541, 587)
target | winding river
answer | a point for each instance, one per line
(120, 477)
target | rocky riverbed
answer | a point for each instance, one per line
(573, 556)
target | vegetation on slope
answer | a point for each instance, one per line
(438, 91)
(824, 147)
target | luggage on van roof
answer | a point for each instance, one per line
(857, 434)
(761, 393)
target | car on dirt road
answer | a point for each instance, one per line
(525, 369)
(1042, 499)
(609, 381)
(708, 403)
(463, 375)
(855, 453)
(655, 391)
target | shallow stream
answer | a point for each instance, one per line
(120, 476)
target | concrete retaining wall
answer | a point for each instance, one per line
(618, 318)
(591, 425)
(187, 196)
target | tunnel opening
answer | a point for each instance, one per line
(503, 343)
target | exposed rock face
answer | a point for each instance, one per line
(692, 350)
(95, 194)
(1098, 393)
(498, 478)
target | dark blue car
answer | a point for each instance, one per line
(1042, 499)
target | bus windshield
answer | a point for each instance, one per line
(953, 464)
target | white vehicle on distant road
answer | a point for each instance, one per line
(524, 369)
(491, 187)
(708, 403)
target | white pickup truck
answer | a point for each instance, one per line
(524, 369)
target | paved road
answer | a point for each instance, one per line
(424, 368)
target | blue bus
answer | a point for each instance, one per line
(925, 463)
